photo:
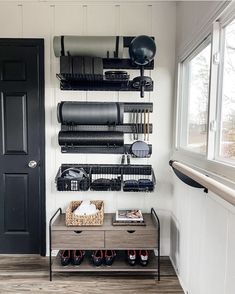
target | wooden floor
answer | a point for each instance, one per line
(29, 274)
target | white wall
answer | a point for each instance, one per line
(192, 16)
(203, 241)
(202, 225)
(44, 19)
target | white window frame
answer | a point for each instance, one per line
(211, 162)
(223, 24)
(183, 98)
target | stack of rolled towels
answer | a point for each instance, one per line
(86, 208)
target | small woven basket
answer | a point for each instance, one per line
(86, 220)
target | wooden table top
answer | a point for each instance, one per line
(151, 224)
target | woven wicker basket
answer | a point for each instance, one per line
(86, 220)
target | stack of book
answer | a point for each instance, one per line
(129, 217)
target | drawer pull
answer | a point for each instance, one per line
(78, 232)
(130, 232)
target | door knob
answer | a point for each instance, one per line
(32, 164)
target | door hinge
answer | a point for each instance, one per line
(213, 126)
(216, 58)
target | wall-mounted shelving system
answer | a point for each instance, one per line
(81, 73)
(99, 127)
(107, 177)
(73, 131)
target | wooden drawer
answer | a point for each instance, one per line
(131, 239)
(77, 239)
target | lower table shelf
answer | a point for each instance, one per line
(120, 265)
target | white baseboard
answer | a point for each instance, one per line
(178, 276)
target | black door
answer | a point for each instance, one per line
(22, 203)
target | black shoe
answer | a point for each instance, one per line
(109, 256)
(77, 257)
(131, 257)
(65, 257)
(144, 257)
(97, 257)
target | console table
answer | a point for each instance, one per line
(107, 236)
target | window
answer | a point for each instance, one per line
(195, 93)
(205, 118)
(226, 142)
(206, 96)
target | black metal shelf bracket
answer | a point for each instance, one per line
(138, 106)
(125, 128)
(126, 149)
(71, 82)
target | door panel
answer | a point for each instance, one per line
(14, 130)
(21, 140)
(15, 203)
(14, 71)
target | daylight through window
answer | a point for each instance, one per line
(227, 123)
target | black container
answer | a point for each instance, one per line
(74, 184)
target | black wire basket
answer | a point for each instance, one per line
(66, 183)
(109, 177)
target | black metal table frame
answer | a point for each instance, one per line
(153, 212)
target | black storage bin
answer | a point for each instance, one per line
(138, 178)
(72, 184)
(106, 178)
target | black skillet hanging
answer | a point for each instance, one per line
(142, 50)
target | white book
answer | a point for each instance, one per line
(129, 215)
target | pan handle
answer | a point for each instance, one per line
(123, 159)
(153, 177)
(128, 159)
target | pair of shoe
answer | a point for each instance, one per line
(106, 257)
(143, 257)
(75, 257)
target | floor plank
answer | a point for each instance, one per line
(22, 274)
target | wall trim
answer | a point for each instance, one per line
(178, 276)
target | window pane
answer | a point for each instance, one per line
(198, 92)
(227, 136)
